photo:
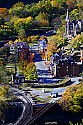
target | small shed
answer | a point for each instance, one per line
(18, 78)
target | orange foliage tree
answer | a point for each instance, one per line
(32, 55)
(71, 4)
(24, 53)
(4, 12)
(51, 48)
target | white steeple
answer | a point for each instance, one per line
(67, 16)
(67, 23)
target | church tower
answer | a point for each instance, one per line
(67, 23)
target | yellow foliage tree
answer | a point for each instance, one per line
(51, 48)
(72, 98)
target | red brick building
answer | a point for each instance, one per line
(66, 68)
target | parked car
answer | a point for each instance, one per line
(54, 94)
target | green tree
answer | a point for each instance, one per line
(32, 9)
(54, 3)
(22, 34)
(77, 41)
(1, 21)
(17, 9)
(5, 75)
(74, 14)
(4, 52)
(43, 19)
(23, 23)
(4, 91)
(3, 105)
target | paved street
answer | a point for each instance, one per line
(27, 106)
(45, 77)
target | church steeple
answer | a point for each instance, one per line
(67, 16)
(67, 23)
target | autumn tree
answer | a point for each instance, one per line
(72, 98)
(43, 19)
(22, 35)
(24, 52)
(80, 8)
(51, 48)
(23, 23)
(54, 3)
(77, 41)
(29, 70)
(4, 91)
(32, 39)
(71, 4)
(4, 12)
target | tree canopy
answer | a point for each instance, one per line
(72, 98)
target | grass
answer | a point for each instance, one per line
(2, 98)
(47, 99)
(39, 98)
(44, 100)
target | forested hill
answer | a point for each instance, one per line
(9, 3)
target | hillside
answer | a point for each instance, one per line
(9, 3)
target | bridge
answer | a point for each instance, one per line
(37, 114)
(52, 113)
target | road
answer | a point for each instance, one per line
(27, 107)
(43, 74)
(45, 77)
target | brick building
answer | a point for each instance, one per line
(64, 66)
(67, 68)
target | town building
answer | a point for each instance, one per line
(73, 27)
(16, 47)
(63, 65)
(18, 78)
